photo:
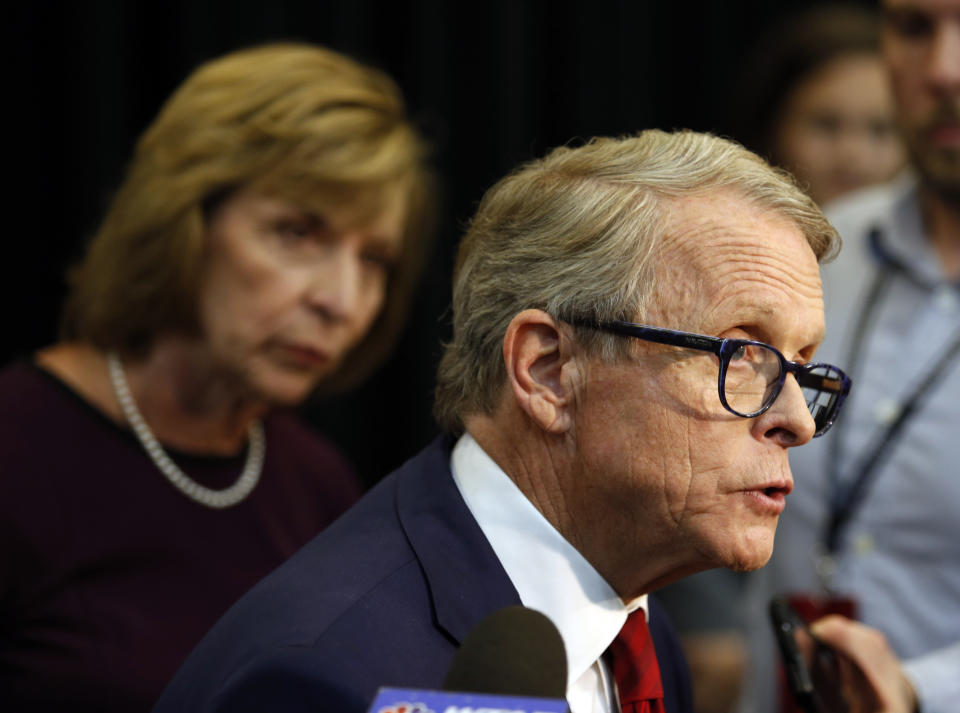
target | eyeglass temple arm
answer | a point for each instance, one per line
(661, 335)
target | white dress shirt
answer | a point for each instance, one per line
(549, 574)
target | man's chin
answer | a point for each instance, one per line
(939, 171)
(751, 554)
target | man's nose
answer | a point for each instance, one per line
(943, 68)
(788, 421)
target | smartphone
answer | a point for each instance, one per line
(813, 668)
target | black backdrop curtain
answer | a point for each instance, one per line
(492, 83)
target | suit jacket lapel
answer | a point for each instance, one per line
(465, 578)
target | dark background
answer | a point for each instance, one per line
(491, 83)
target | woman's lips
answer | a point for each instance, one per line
(304, 356)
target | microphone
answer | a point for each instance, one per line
(514, 651)
(514, 660)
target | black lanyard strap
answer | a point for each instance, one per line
(855, 494)
(845, 500)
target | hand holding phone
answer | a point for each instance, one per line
(819, 676)
(857, 672)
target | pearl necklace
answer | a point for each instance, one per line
(217, 499)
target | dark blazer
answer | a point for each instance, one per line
(382, 598)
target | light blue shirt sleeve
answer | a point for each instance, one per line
(936, 677)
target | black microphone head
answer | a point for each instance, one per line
(515, 651)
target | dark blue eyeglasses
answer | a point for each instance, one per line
(752, 373)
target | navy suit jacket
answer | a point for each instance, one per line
(383, 597)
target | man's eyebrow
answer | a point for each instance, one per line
(752, 320)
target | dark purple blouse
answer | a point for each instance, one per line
(109, 575)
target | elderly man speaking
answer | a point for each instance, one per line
(635, 323)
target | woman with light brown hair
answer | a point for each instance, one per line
(813, 98)
(265, 243)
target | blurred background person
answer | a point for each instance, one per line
(814, 99)
(265, 242)
(871, 529)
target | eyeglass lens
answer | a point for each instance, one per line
(822, 387)
(752, 378)
(752, 381)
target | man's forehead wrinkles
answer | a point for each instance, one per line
(769, 267)
(729, 258)
(739, 228)
(750, 288)
(752, 300)
(737, 238)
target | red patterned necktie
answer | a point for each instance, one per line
(635, 667)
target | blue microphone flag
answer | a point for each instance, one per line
(408, 700)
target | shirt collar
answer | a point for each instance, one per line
(549, 574)
(902, 235)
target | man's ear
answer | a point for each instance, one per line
(534, 354)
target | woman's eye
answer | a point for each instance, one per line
(739, 354)
(910, 25)
(296, 230)
(827, 124)
(380, 262)
(293, 230)
(880, 129)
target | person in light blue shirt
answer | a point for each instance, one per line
(874, 517)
